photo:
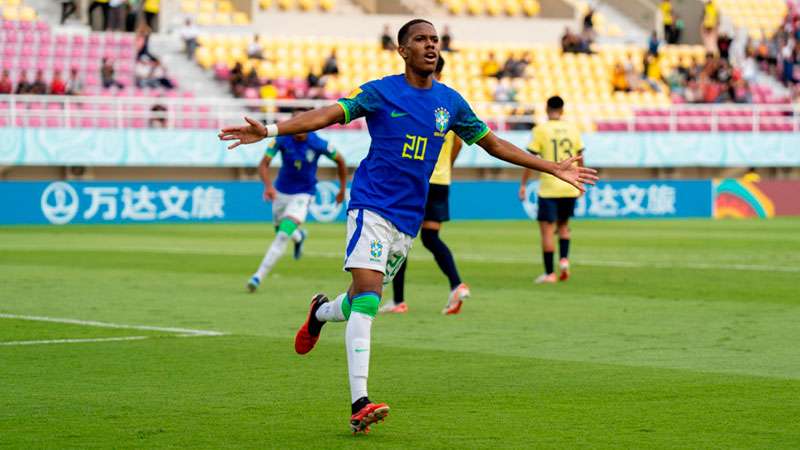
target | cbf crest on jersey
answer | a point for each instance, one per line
(310, 155)
(442, 117)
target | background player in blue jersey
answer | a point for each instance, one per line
(408, 117)
(293, 192)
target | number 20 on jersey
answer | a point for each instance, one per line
(415, 147)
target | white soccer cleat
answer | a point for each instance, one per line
(546, 278)
(456, 299)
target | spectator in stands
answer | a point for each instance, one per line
(749, 67)
(117, 15)
(107, 75)
(677, 31)
(6, 86)
(57, 85)
(151, 8)
(523, 119)
(143, 33)
(74, 84)
(104, 9)
(236, 80)
(314, 87)
(653, 44)
(447, 39)
(158, 116)
(652, 72)
(573, 43)
(188, 34)
(252, 80)
(709, 25)
(504, 92)
(68, 8)
(520, 65)
(331, 66)
(23, 86)
(268, 91)
(788, 56)
(39, 85)
(490, 67)
(387, 41)
(667, 18)
(508, 67)
(724, 46)
(619, 79)
(254, 49)
(588, 24)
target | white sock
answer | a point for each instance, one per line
(357, 341)
(297, 235)
(332, 311)
(273, 254)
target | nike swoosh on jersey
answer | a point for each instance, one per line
(396, 114)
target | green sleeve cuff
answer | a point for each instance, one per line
(332, 154)
(480, 135)
(346, 112)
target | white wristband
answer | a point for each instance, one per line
(272, 130)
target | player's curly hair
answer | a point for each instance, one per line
(402, 34)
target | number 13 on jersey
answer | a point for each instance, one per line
(415, 147)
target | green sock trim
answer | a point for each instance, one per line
(346, 307)
(287, 226)
(366, 303)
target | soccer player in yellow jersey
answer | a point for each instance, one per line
(437, 211)
(554, 140)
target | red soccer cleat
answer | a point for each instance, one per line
(366, 416)
(308, 335)
(564, 266)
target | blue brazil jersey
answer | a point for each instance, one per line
(298, 172)
(407, 126)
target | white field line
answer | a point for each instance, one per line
(73, 341)
(92, 323)
(467, 257)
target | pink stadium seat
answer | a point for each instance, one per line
(28, 38)
(42, 26)
(44, 52)
(12, 37)
(25, 25)
(61, 39)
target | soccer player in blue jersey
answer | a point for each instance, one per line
(293, 192)
(408, 116)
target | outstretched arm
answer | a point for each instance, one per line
(566, 170)
(341, 171)
(263, 172)
(305, 122)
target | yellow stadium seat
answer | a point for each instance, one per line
(307, 5)
(327, 5)
(189, 6)
(286, 4)
(224, 6)
(240, 18)
(10, 13)
(265, 4)
(206, 6)
(531, 7)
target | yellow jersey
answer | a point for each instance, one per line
(442, 170)
(710, 15)
(556, 140)
(666, 12)
(152, 6)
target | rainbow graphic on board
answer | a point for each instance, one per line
(741, 198)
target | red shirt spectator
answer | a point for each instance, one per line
(58, 86)
(6, 86)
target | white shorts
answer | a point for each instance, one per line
(290, 205)
(374, 243)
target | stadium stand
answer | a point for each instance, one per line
(213, 12)
(756, 16)
(14, 10)
(297, 5)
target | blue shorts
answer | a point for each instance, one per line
(556, 209)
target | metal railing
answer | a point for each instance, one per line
(214, 113)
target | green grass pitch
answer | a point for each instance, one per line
(671, 334)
